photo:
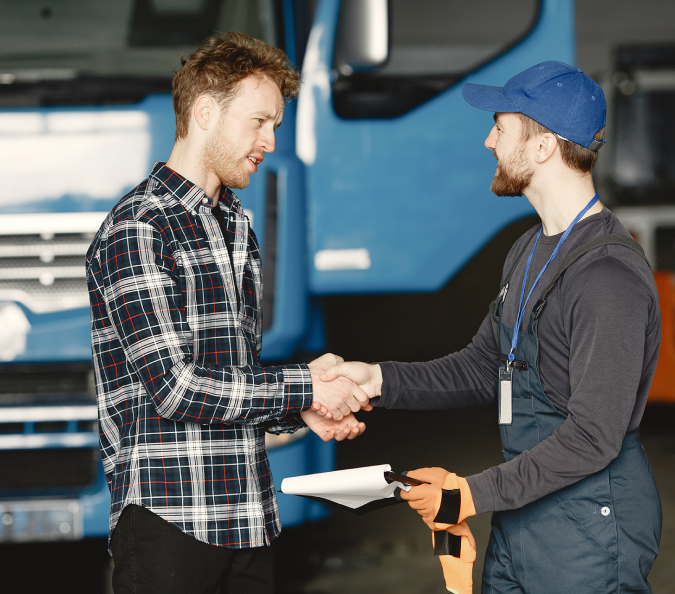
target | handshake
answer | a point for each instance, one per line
(339, 390)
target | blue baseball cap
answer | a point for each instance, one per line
(558, 96)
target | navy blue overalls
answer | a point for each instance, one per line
(600, 535)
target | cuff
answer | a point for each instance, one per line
(451, 505)
(289, 424)
(390, 385)
(447, 544)
(481, 491)
(298, 393)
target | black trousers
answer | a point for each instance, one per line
(151, 555)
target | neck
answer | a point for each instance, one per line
(559, 199)
(185, 160)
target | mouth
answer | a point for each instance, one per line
(255, 161)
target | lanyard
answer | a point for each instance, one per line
(521, 305)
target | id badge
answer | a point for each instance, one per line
(505, 395)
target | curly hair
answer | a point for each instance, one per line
(217, 67)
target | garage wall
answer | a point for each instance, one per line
(604, 24)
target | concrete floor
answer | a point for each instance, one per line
(390, 549)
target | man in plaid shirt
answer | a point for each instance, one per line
(175, 285)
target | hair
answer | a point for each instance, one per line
(219, 65)
(573, 155)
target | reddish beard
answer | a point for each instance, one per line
(223, 157)
(514, 175)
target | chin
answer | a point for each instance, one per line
(240, 185)
(236, 184)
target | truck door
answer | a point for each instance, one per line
(397, 175)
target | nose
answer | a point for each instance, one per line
(267, 141)
(491, 140)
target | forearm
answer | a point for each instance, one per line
(465, 378)
(195, 393)
(564, 458)
(139, 284)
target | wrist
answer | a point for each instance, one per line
(376, 375)
(456, 499)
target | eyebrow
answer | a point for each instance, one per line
(269, 116)
(494, 117)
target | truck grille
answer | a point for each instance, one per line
(42, 259)
(46, 384)
(48, 469)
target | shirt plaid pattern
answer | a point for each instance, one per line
(183, 401)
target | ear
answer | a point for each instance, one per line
(545, 147)
(205, 111)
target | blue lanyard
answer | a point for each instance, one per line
(521, 305)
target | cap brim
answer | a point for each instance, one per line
(487, 98)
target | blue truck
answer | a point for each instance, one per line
(379, 184)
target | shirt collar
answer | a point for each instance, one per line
(188, 194)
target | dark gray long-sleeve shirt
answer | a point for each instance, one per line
(599, 337)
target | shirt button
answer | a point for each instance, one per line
(605, 511)
(205, 200)
(194, 213)
(228, 282)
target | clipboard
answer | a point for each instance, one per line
(357, 490)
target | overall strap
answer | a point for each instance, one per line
(494, 315)
(574, 255)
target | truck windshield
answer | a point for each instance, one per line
(79, 71)
(100, 39)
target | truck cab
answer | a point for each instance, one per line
(379, 184)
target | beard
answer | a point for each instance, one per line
(225, 159)
(514, 175)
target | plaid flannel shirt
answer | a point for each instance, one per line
(183, 401)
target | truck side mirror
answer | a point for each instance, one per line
(362, 36)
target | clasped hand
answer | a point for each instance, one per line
(360, 380)
(336, 396)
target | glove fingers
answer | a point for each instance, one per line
(429, 475)
(462, 529)
(458, 574)
(421, 492)
(416, 504)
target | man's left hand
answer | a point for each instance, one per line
(348, 427)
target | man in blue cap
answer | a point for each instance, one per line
(568, 349)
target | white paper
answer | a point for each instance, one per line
(352, 488)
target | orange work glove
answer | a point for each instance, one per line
(444, 502)
(457, 571)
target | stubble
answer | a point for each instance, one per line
(222, 157)
(514, 175)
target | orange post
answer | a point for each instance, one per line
(663, 386)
